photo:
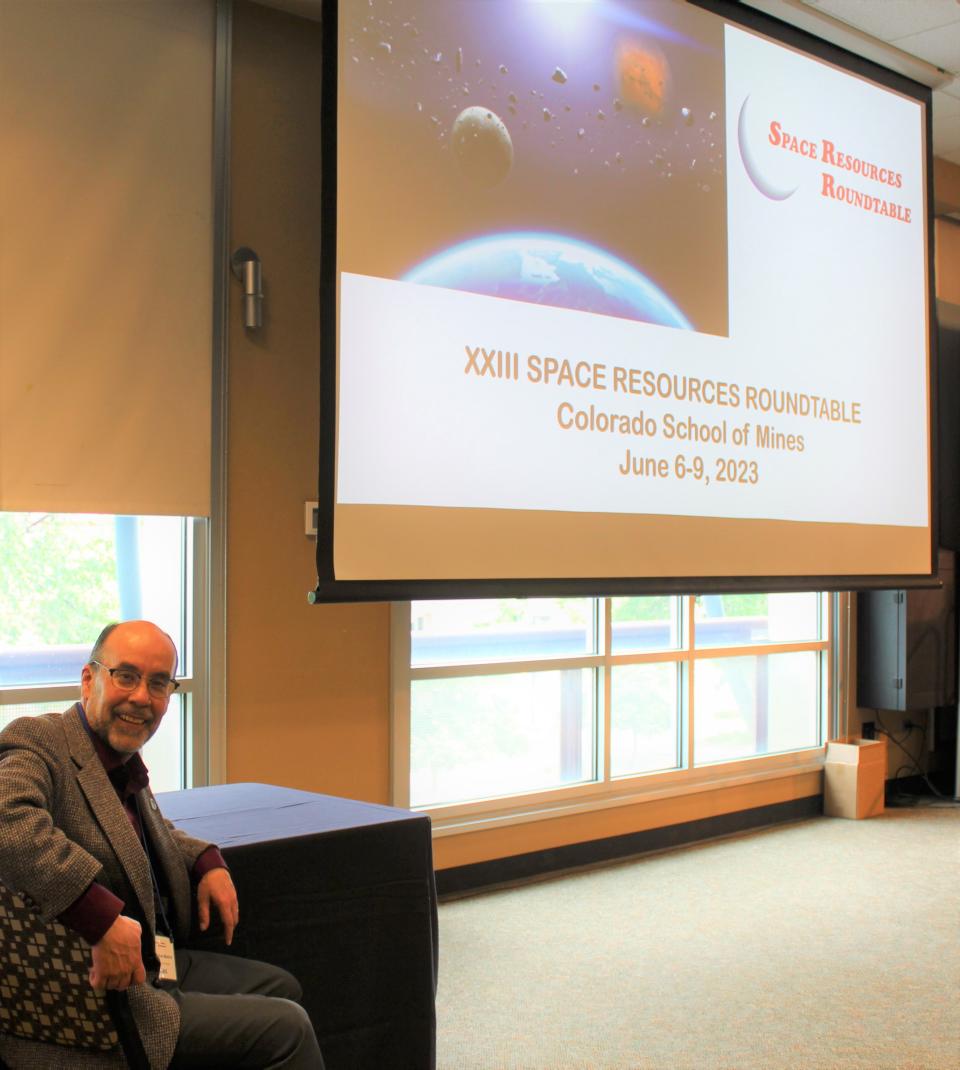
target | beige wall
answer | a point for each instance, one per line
(946, 187)
(946, 241)
(947, 260)
(308, 686)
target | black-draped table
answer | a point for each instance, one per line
(341, 893)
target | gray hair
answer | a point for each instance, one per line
(97, 653)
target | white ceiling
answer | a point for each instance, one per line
(928, 29)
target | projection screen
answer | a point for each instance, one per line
(619, 295)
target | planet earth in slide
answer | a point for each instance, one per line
(550, 269)
(483, 146)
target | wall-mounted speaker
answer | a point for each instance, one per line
(907, 645)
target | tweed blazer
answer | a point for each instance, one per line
(63, 827)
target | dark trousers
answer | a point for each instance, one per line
(242, 1014)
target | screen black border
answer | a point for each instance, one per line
(330, 589)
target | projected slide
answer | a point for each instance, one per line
(623, 290)
(565, 154)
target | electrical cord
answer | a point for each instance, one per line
(914, 764)
(906, 733)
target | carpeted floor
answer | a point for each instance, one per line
(822, 944)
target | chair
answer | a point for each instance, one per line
(49, 1014)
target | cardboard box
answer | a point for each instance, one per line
(854, 776)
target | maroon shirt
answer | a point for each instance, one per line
(98, 908)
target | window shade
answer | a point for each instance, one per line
(106, 256)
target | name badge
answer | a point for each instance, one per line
(168, 963)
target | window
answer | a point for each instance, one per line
(63, 577)
(508, 698)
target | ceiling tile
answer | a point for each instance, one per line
(891, 19)
(940, 46)
(929, 29)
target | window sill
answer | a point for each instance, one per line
(452, 821)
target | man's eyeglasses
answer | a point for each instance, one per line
(129, 680)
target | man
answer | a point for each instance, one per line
(82, 836)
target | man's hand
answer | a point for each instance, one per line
(216, 887)
(117, 960)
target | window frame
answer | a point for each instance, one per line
(606, 791)
(194, 725)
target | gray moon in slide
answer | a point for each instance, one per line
(483, 146)
(752, 166)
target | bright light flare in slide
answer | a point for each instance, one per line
(566, 18)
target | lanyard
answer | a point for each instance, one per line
(166, 930)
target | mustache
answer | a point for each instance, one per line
(137, 713)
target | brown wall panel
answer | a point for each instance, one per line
(307, 698)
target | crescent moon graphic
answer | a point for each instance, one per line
(751, 165)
